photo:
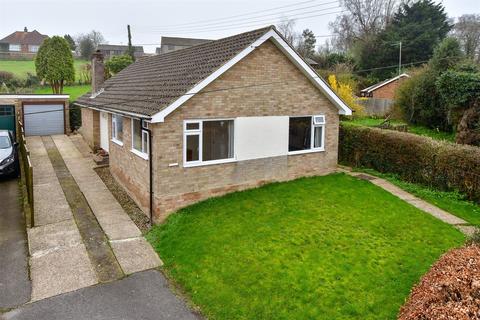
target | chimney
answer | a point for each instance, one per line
(98, 72)
(25, 29)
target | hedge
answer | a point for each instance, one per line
(441, 165)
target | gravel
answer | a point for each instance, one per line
(130, 207)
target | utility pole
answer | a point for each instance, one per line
(400, 59)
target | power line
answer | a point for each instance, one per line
(259, 22)
(215, 24)
(244, 14)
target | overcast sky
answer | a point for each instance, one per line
(150, 19)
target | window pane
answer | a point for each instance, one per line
(217, 140)
(193, 126)
(144, 141)
(193, 142)
(299, 137)
(119, 124)
(317, 137)
(137, 135)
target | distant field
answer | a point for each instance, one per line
(73, 91)
(20, 68)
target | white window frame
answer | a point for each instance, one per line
(144, 138)
(199, 132)
(15, 45)
(115, 118)
(312, 134)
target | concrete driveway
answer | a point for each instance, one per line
(14, 281)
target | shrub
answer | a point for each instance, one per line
(345, 92)
(5, 76)
(438, 164)
(117, 63)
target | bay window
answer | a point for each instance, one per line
(140, 138)
(306, 134)
(208, 141)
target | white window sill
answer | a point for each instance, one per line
(292, 153)
(207, 163)
(142, 155)
(120, 143)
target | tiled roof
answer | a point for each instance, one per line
(150, 84)
(22, 37)
(384, 82)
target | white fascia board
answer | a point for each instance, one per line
(122, 113)
(35, 96)
(286, 49)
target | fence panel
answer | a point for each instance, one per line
(27, 169)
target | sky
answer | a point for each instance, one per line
(149, 20)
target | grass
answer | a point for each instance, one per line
(73, 91)
(419, 130)
(20, 68)
(331, 247)
(453, 202)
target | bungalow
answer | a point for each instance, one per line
(222, 116)
(21, 44)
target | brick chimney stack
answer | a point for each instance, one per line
(98, 71)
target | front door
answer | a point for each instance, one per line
(104, 131)
(7, 118)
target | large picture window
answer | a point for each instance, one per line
(306, 134)
(117, 129)
(140, 138)
(208, 141)
(14, 47)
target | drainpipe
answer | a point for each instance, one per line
(150, 162)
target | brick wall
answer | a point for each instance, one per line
(387, 91)
(292, 94)
(90, 129)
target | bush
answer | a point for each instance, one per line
(438, 164)
(117, 63)
(5, 76)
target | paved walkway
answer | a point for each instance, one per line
(438, 213)
(79, 239)
(14, 281)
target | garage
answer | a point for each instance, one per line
(7, 117)
(43, 119)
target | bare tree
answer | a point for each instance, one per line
(362, 19)
(467, 31)
(287, 28)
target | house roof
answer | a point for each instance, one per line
(118, 47)
(176, 41)
(311, 61)
(25, 37)
(155, 86)
(383, 83)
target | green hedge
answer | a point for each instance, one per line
(441, 165)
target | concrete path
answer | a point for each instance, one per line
(438, 213)
(14, 281)
(144, 295)
(59, 261)
(132, 251)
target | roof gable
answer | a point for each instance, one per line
(155, 86)
(384, 83)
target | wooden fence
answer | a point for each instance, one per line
(27, 169)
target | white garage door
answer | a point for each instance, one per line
(43, 119)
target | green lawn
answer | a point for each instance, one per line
(20, 68)
(452, 202)
(422, 131)
(331, 247)
(73, 91)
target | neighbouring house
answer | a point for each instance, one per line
(21, 44)
(41, 114)
(222, 116)
(385, 89)
(381, 96)
(169, 44)
(312, 63)
(110, 50)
